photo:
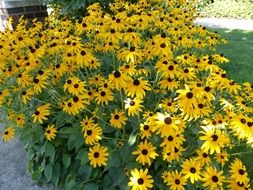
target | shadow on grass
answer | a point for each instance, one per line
(240, 52)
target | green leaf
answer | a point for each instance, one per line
(60, 119)
(90, 186)
(114, 160)
(30, 154)
(56, 174)
(48, 171)
(37, 173)
(66, 159)
(126, 153)
(117, 175)
(50, 151)
(69, 185)
(85, 172)
(83, 156)
(132, 139)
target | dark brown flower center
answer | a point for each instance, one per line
(48, 131)
(146, 127)
(117, 74)
(116, 117)
(243, 120)
(144, 152)
(75, 99)
(83, 53)
(215, 137)
(186, 71)
(163, 45)
(171, 67)
(103, 93)
(177, 181)
(215, 179)
(96, 154)
(200, 106)
(36, 81)
(6, 132)
(189, 95)
(193, 170)
(170, 138)
(241, 172)
(140, 181)
(132, 103)
(167, 120)
(136, 82)
(37, 113)
(207, 89)
(89, 132)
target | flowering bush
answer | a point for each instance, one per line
(134, 99)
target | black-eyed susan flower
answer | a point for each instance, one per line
(171, 154)
(203, 157)
(212, 178)
(118, 119)
(50, 132)
(98, 155)
(222, 158)
(8, 134)
(145, 151)
(133, 106)
(235, 185)
(173, 139)
(140, 180)
(176, 180)
(103, 96)
(214, 139)
(118, 80)
(87, 122)
(20, 120)
(137, 87)
(238, 171)
(165, 124)
(146, 130)
(39, 83)
(41, 113)
(191, 168)
(92, 134)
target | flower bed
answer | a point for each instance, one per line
(127, 99)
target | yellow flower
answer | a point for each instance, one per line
(118, 119)
(137, 87)
(41, 113)
(50, 132)
(92, 134)
(98, 155)
(214, 139)
(213, 179)
(133, 106)
(145, 151)
(8, 134)
(192, 169)
(140, 180)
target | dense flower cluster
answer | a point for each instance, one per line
(142, 79)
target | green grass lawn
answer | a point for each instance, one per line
(240, 52)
